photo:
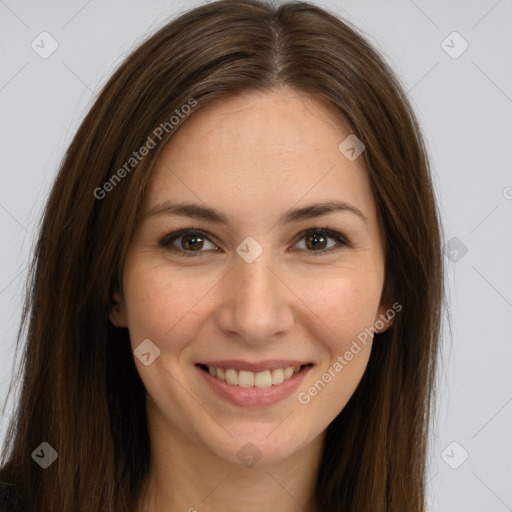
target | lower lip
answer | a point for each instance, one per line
(254, 397)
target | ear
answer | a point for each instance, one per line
(118, 315)
(384, 318)
(386, 313)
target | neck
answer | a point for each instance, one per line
(191, 478)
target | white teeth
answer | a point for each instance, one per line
(231, 376)
(263, 379)
(288, 372)
(277, 376)
(247, 379)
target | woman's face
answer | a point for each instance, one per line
(261, 291)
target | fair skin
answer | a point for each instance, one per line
(252, 157)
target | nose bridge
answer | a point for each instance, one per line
(254, 301)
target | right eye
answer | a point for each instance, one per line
(190, 242)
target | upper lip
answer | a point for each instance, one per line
(268, 364)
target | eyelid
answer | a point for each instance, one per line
(166, 241)
(331, 233)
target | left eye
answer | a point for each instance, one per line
(193, 241)
(318, 240)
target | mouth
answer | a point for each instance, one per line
(268, 383)
(248, 379)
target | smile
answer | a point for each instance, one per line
(265, 385)
(248, 379)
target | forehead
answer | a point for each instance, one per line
(256, 149)
(270, 127)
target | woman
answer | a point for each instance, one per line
(236, 292)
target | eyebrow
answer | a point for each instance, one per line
(295, 215)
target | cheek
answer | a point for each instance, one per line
(345, 303)
(160, 305)
(347, 306)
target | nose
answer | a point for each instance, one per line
(256, 302)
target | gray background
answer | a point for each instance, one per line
(465, 108)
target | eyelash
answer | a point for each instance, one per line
(167, 240)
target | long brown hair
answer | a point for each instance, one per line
(80, 391)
